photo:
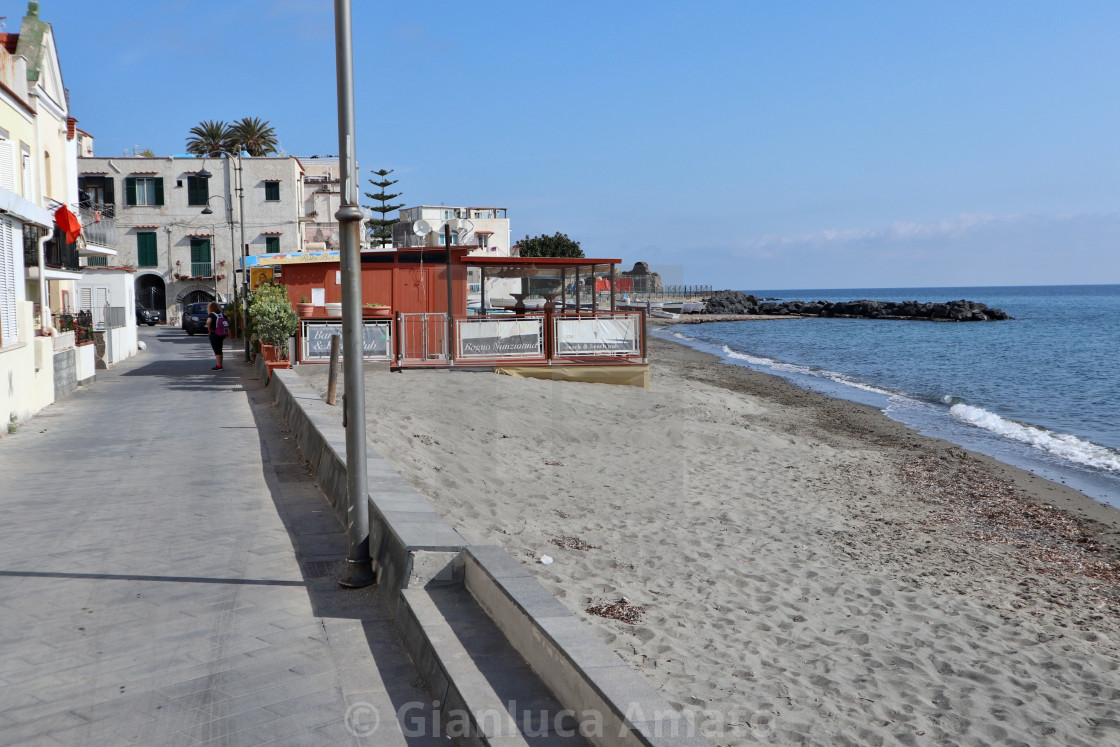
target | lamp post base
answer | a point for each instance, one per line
(358, 575)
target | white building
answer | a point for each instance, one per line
(322, 196)
(40, 359)
(181, 253)
(486, 228)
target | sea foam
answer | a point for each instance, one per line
(1061, 445)
(774, 365)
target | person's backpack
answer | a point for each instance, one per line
(221, 327)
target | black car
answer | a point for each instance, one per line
(151, 317)
(194, 317)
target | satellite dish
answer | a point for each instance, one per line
(421, 227)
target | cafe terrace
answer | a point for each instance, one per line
(425, 307)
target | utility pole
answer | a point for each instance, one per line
(359, 567)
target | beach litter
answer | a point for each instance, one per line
(546, 560)
(621, 610)
(573, 543)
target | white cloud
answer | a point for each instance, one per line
(971, 249)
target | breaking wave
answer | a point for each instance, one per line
(1060, 445)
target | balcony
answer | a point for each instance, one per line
(202, 269)
(99, 226)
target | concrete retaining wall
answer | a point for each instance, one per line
(65, 372)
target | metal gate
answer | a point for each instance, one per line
(423, 339)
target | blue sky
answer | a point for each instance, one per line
(739, 144)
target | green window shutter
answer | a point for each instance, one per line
(272, 191)
(200, 258)
(97, 261)
(198, 191)
(130, 190)
(272, 244)
(159, 190)
(146, 250)
(200, 250)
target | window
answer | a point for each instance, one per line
(272, 191)
(7, 165)
(99, 189)
(26, 155)
(272, 244)
(454, 239)
(450, 213)
(198, 190)
(97, 261)
(143, 190)
(146, 255)
(200, 258)
(9, 329)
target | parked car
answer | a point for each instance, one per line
(194, 317)
(151, 317)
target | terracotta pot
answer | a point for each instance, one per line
(305, 310)
(272, 365)
(268, 352)
(377, 312)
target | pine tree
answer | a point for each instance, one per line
(381, 229)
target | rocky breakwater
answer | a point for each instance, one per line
(734, 302)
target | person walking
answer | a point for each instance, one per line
(218, 328)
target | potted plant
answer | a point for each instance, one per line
(304, 309)
(376, 311)
(274, 322)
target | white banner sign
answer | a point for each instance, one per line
(513, 338)
(597, 336)
(377, 340)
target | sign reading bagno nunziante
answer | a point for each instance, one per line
(513, 338)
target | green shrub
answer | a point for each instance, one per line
(274, 321)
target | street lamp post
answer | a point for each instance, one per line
(204, 174)
(359, 568)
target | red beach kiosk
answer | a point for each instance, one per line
(542, 317)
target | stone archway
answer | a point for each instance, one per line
(195, 293)
(151, 293)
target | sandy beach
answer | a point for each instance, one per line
(807, 570)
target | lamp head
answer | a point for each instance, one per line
(207, 211)
(203, 174)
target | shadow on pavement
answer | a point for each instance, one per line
(320, 542)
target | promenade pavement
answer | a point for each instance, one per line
(168, 574)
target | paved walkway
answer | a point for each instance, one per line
(167, 573)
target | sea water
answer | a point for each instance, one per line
(1041, 391)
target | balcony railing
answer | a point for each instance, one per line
(99, 226)
(58, 254)
(202, 269)
(81, 324)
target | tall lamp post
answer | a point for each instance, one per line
(233, 253)
(359, 568)
(204, 174)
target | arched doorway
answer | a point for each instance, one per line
(196, 296)
(151, 293)
(196, 293)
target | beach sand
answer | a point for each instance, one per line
(808, 571)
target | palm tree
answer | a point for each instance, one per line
(254, 136)
(209, 138)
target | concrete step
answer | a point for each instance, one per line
(487, 693)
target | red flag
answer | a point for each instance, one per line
(68, 223)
